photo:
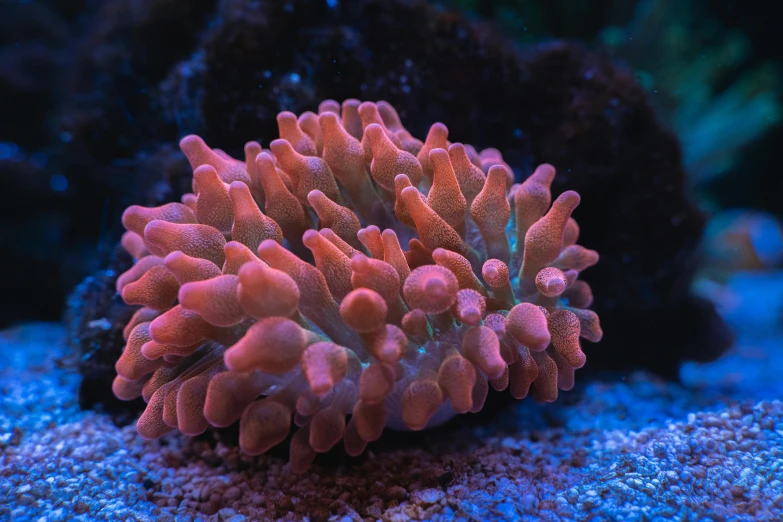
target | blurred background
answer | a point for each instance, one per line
(94, 96)
(712, 70)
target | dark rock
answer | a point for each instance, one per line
(95, 319)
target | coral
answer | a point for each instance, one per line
(236, 324)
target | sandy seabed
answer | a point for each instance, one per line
(630, 447)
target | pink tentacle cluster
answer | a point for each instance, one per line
(279, 291)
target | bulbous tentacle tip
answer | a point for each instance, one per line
(126, 390)
(460, 267)
(213, 204)
(569, 199)
(273, 345)
(544, 173)
(495, 273)
(264, 160)
(132, 365)
(309, 238)
(290, 131)
(375, 135)
(216, 300)
(282, 149)
(388, 344)
(420, 400)
(576, 257)
(268, 247)
(387, 160)
(151, 425)
(360, 263)
(457, 377)
(402, 181)
(136, 218)
(156, 289)
(199, 153)
(370, 115)
(431, 288)
(411, 196)
(545, 386)
(329, 106)
(266, 292)
(237, 256)
(133, 244)
(324, 365)
(436, 139)
(375, 383)
(308, 123)
(589, 324)
(252, 149)
(470, 307)
(229, 393)
(264, 424)
(337, 217)
(393, 254)
(370, 420)
(527, 324)
(142, 315)
(482, 347)
(191, 141)
(565, 328)
(186, 268)
(336, 137)
(364, 310)
(197, 240)
(414, 323)
(350, 116)
(326, 429)
(389, 115)
(470, 177)
(370, 237)
(551, 282)
(339, 242)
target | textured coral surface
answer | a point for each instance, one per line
(280, 288)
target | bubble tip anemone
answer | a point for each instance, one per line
(237, 324)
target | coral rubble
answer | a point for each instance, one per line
(486, 294)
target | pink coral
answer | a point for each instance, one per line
(279, 289)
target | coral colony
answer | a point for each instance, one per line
(279, 289)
